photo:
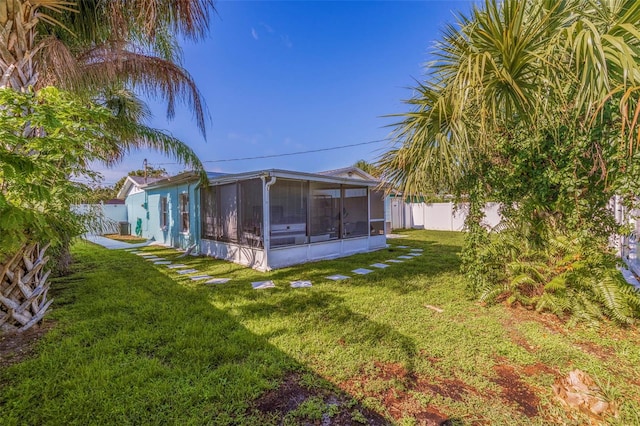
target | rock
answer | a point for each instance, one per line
(579, 391)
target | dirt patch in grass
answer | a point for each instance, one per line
(401, 404)
(338, 408)
(537, 369)
(395, 388)
(16, 347)
(514, 390)
(600, 352)
(450, 388)
(551, 322)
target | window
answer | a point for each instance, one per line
(288, 213)
(164, 213)
(251, 212)
(184, 212)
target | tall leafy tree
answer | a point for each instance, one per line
(96, 47)
(532, 103)
(103, 51)
(36, 192)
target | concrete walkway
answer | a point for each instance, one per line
(113, 244)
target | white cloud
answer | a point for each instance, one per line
(254, 33)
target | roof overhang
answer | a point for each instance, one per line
(286, 174)
(126, 188)
(221, 179)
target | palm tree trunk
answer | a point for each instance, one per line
(23, 289)
(18, 20)
(23, 284)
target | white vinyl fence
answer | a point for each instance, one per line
(102, 218)
(438, 216)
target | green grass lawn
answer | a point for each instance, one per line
(137, 343)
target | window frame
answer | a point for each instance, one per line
(164, 212)
(183, 210)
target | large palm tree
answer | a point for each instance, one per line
(516, 63)
(533, 103)
(89, 45)
(98, 49)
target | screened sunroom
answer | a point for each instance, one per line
(274, 218)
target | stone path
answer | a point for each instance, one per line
(196, 275)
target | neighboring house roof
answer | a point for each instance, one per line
(351, 172)
(134, 184)
(114, 201)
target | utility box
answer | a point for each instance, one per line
(125, 228)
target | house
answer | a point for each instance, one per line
(134, 197)
(265, 219)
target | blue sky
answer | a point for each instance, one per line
(290, 76)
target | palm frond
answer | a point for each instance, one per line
(132, 135)
(153, 76)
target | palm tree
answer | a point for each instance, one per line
(97, 48)
(531, 102)
(89, 45)
(367, 167)
(516, 62)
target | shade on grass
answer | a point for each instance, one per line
(137, 343)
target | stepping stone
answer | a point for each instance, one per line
(177, 266)
(162, 262)
(380, 265)
(143, 254)
(416, 250)
(338, 277)
(405, 257)
(153, 258)
(300, 284)
(414, 254)
(395, 261)
(403, 247)
(362, 271)
(186, 271)
(200, 277)
(218, 281)
(260, 285)
(131, 250)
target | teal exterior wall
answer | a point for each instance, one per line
(147, 206)
(135, 211)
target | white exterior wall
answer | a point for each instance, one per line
(248, 256)
(290, 255)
